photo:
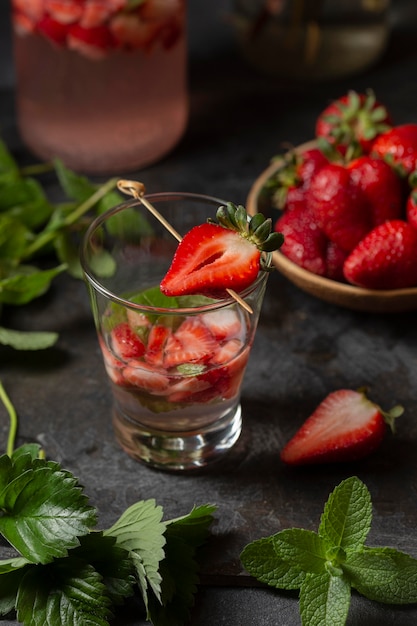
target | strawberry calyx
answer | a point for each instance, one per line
(256, 229)
(390, 416)
(357, 119)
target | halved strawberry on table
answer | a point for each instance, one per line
(346, 426)
(226, 254)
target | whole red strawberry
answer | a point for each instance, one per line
(305, 243)
(411, 208)
(355, 119)
(346, 426)
(381, 186)
(213, 257)
(339, 206)
(385, 259)
(398, 146)
(289, 184)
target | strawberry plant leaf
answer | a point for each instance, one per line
(140, 531)
(383, 574)
(9, 585)
(261, 560)
(110, 561)
(179, 568)
(347, 515)
(67, 591)
(324, 600)
(44, 513)
(26, 340)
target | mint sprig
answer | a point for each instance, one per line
(326, 565)
(66, 571)
(33, 230)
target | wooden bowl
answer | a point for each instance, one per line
(340, 294)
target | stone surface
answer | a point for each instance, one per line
(304, 349)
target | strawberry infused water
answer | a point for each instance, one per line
(101, 84)
(175, 339)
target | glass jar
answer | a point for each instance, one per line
(101, 84)
(311, 39)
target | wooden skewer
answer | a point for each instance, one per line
(137, 190)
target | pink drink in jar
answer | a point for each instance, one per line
(101, 84)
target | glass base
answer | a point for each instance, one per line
(178, 451)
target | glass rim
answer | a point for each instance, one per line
(110, 295)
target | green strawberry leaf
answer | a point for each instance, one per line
(179, 569)
(140, 532)
(262, 561)
(44, 513)
(26, 340)
(67, 591)
(347, 515)
(9, 586)
(324, 600)
(383, 574)
(110, 561)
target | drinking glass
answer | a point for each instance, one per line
(175, 365)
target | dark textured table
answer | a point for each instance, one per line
(304, 349)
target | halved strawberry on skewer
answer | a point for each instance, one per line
(346, 426)
(226, 254)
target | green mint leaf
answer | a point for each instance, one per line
(74, 185)
(347, 515)
(140, 531)
(24, 200)
(67, 252)
(44, 513)
(179, 569)
(303, 548)
(324, 600)
(383, 574)
(111, 562)
(28, 284)
(131, 223)
(262, 562)
(8, 164)
(155, 298)
(67, 591)
(26, 340)
(13, 239)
